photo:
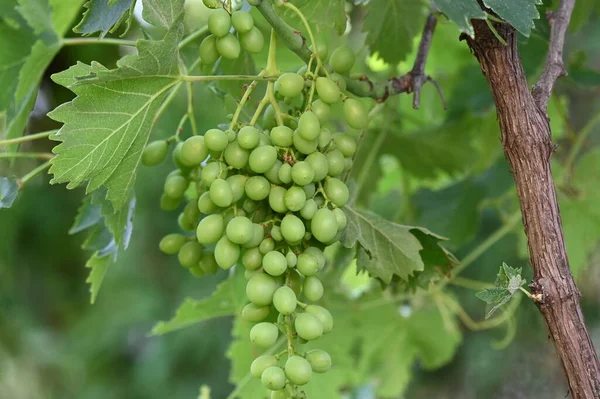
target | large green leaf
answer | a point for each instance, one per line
(107, 125)
(321, 13)
(102, 17)
(391, 26)
(461, 12)
(227, 300)
(519, 13)
(162, 13)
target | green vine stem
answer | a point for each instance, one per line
(30, 137)
(23, 180)
(193, 36)
(75, 41)
(167, 101)
(210, 78)
(30, 155)
(190, 108)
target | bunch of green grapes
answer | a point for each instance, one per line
(269, 198)
(222, 42)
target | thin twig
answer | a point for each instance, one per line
(554, 66)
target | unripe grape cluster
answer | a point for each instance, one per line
(268, 197)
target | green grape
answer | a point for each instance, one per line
(211, 172)
(285, 173)
(356, 114)
(324, 138)
(273, 378)
(342, 59)
(317, 253)
(242, 21)
(327, 90)
(264, 334)
(322, 50)
(258, 234)
(155, 152)
(309, 209)
(254, 314)
(292, 259)
(304, 146)
(175, 186)
(238, 185)
(220, 193)
(295, 198)
(273, 174)
(309, 126)
(308, 326)
(248, 137)
(324, 225)
(321, 110)
(248, 274)
(252, 259)
(253, 41)
(240, 230)
(282, 136)
(292, 123)
(211, 3)
(276, 199)
(269, 117)
(335, 159)
(295, 282)
(260, 289)
(339, 80)
(319, 164)
(290, 84)
(280, 394)
(267, 245)
(176, 157)
(171, 243)
(342, 219)
(264, 139)
(197, 271)
(226, 253)
(231, 135)
(257, 188)
(219, 22)
(249, 205)
(292, 228)
(319, 360)
(228, 216)
(216, 140)
(228, 46)
(323, 315)
(345, 144)
(302, 173)
(168, 204)
(191, 213)
(206, 205)
(262, 158)
(184, 223)
(307, 264)
(298, 370)
(261, 363)
(284, 300)
(208, 50)
(276, 233)
(309, 190)
(296, 102)
(208, 263)
(236, 156)
(189, 254)
(337, 191)
(347, 164)
(312, 288)
(274, 263)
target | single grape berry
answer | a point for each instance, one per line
(258, 234)
(302, 173)
(309, 126)
(322, 110)
(273, 378)
(252, 41)
(292, 259)
(298, 370)
(155, 152)
(295, 198)
(211, 172)
(327, 90)
(320, 165)
(337, 191)
(228, 46)
(336, 160)
(285, 173)
(312, 288)
(292, 228)
(342, 219)
(261, 363)
(321, 50)
(285, 300)
(323, 225)
(309, 209)
(208, 263)
(169, 204)
(190, 253)
(345, 143)
(248, 137)
(277, 199)
(260, 289)
(252, 259)
(206, 205)
(219, 22)
(208, 50)
(290, 84)
(267, 245)
(304, 146)
(257, 188)
(193, 151)
(211, 3)
(356, 114)
(273, 174)
(323, 315)
(210, 229)
(324, 138)
(215, 140)
(220, 193)
(342, 59)
(175, 186)
(280, 394)
(319, 360)
(226, 253)
(171, 243)
(264, 334)
(236, 156)
(281, 136)
(274, 263)
(307, 264)
(238, 185)
(240, 230)
(262, 158)
(317, 253)
(308, 326)
(242, 21)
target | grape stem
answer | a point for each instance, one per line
(23, 180)
(193, 36)
(33, 155)
(167, 101)
(209, 78)
(27, 138)
(75, 41)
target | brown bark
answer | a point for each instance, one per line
(528, 146)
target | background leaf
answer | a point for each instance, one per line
(519, 13)
(461, 12)
(9, 189)
(102, 17)
(323, 14)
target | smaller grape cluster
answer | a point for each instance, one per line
(222, 42)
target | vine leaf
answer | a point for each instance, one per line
(8, 191)
(31, 34)
(386, 248)
(323, 14)
(508, 282)
(227, 300)
(108, 124)
(103, 16)
(162, 13)
(461, 12)
(391, 26)
(520, 14)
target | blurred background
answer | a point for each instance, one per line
(443, 170)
